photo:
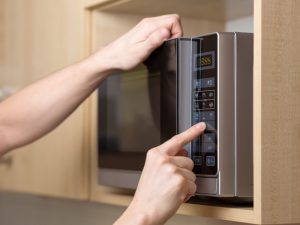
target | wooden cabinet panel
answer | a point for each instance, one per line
(280, 111)
(37, 38)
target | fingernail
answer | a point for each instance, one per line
(201, 125)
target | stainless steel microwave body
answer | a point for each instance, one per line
(185, 81)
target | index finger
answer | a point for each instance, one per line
(176, 143)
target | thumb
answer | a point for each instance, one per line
(156, 38)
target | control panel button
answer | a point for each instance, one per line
(196, 105)
(211, 94)
(209, 147)
(196, 117)
(204, 83)
(207, 115)
(208, 82)
(196, 145)
(202, 105)
(210, 125)
(197, 160)
(204, 95)
(210, 104)
(209, 138)
(197, 84)
(210, 161)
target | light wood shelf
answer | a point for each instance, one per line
(276, 92)
(36, 39)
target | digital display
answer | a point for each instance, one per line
(204, 61)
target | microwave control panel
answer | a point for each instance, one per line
(204, 105)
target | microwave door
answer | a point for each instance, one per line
(136, 112)
(163, 63)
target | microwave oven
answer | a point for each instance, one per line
(186, 80)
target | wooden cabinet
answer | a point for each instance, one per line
(37, 38)
(276, 27)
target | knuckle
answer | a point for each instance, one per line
(193, 189)
(182, 197)
(193, 176)
(176, 16)
(152, 153)
(163, 159)
(145, 20)
(190, 163)
(171, 169)
(180, 181)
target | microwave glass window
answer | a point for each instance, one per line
(137, 111)
(131, 117)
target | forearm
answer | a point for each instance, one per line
(43, 105)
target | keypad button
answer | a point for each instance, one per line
(207, 115)
(209, 138)
(210, 125)
(196, 105)
(196, 147)
(197, 84)
(210, 161)
(204, 83)
(208, 82)
(196, 117)
(209, 147)
(210, 104)
(197, 160)
(203, 105)
(197, 141)
(211, 94)
(203, 95)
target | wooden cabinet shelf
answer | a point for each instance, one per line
(275, 24)
(119, 197)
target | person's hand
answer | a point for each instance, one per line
(137, 44)
(167, 181)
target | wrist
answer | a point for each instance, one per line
(143, 214)
(98, 65)
(133, 217)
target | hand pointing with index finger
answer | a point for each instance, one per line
(173, 146)
(167, 180)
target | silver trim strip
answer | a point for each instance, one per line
(235, 115)
(184, 88)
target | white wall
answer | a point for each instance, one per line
(244, 24)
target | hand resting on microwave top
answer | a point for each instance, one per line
(167, 179)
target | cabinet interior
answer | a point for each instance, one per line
(109, 21)
(198, 16)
